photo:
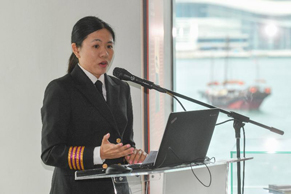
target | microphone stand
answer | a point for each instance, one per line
(239, 122)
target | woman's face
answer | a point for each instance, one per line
(96, 52)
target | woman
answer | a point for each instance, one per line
(84, 128)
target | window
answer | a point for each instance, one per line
(237, 55)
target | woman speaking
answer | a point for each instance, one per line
(87, 115)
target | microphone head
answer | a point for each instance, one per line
(121, 73)
(117, 72)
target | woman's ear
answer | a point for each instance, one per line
(75, 50)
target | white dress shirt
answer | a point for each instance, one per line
(96, 154)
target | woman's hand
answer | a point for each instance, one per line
(138, 156)
(111, 151)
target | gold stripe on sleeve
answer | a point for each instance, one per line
(69, 158)
(77, 158)
(81, 159)
(74, 158)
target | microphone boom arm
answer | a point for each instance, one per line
(123, 74)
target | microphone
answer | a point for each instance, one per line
(123, 74)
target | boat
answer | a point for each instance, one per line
(234, 94)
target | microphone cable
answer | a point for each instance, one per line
(244, 152)
(244, 162)
(224, 122)
(177, 100)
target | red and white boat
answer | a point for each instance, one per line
(234, 94)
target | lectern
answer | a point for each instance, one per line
(199, 179)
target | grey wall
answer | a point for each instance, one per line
(35, 47)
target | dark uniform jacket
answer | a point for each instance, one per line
(75, 118)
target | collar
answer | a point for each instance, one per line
(92, 77)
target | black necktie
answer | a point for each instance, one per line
(98, 85)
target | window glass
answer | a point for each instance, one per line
(237, 55)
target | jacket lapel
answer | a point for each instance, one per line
(86, 87)
(112, 92)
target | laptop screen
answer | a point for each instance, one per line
(186, 138)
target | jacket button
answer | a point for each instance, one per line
(118, 140)
(104, 166)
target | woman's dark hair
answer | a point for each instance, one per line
(81, 30)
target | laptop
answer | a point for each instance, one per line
(186, 140)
